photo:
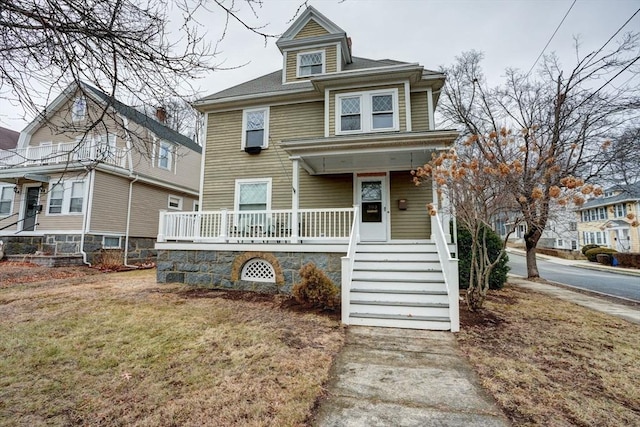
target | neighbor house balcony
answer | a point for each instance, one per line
(64, 153)
(272, 226)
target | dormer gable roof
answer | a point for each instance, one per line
(334, 33)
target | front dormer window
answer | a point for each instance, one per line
(350, 114)
(311, 63)
(374, 111)
(79, 109)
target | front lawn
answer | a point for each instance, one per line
(119, 349)
(553, 363)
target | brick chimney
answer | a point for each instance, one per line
(161, 114)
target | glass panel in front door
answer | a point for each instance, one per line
(31, 209)
(371, 198)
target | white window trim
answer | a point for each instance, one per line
(265, 142)
(67, 187)
(324, 63)
(104, 245)
(366, 111)
(169, 166)
(239, 182)
(176, 198)
(11, 201)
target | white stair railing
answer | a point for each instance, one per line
(347, 266)
(449, 271)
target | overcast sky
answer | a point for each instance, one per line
(511, 33)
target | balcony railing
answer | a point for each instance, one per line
(257, 226)
(62, 153)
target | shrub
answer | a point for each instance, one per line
(585, 248)
(109, 259)
(591, 254)
(627, 259)
(604, 259)
(498, 276)
(316, 289)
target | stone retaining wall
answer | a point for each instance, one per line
(222, 269)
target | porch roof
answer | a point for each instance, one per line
(352, 153)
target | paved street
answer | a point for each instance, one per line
(599, 281)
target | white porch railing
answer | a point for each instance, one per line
(63, 152)
(256, 226)
(449, 270)
(347, 266)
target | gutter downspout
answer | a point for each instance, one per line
(126, 235)
(84, 218)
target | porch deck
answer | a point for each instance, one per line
(62, 153)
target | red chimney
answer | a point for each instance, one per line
(161, 114)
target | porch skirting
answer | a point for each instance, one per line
(222, 269)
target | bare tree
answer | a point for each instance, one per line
(625, 161)
(142, 51)
(564, 121)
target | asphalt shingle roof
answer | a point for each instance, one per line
(160, 130)
(626, 193)
(8, 138)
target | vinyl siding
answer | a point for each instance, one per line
(415, 222)
(225, 161)
(311, 29)
(401, 105)
(419, 111)
(110, 197)
(325, 191)
(147, 201)
(330, 57)
(61, 222)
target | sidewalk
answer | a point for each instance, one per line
(581, 263)
(404, 377)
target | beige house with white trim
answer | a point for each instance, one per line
(74, 187)
(313, 163)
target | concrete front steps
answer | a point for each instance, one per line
(398, 285)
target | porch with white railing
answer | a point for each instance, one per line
(273, 226)
(63, 153)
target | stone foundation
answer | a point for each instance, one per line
(48, 260)
(222, 269)
(140, 248)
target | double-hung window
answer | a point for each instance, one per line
(255, 128)
(6, 198)
(374, 111)
(310, 63)
(66, 197)
(165, 155)
(620, 210)
(79, 109)
(253, 194)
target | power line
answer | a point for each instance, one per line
(614, 34)
(551, 38)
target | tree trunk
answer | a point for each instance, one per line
(532, 264)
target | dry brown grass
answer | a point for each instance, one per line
(120, 349)
(553, 363)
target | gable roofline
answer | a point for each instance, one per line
(627, 193)
(157, 128)
(335, 33)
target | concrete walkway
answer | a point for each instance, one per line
(402, 377)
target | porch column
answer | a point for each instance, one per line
(295, 199)
(161, 225)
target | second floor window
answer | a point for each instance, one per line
(594, 214)
(79, 109)
(620, 210)
(310, 63)
(165, 156)
(367, 111)
(255, 128)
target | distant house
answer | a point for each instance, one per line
(74, 187)
(312, 163)
(607, 220)
(8, 138)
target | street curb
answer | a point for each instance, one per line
(621, 270)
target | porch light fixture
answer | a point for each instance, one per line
(16, 190)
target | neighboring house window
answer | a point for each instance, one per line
(165, 155)
(255, 128)
(367, 111)
(111, 242)
(196, 206)
(253, 194)
(310, 63)
(620, 210)
(79, 109)
(573, 226)
(597, 237)
(560, 242)
(6, 198)
(175, 202)
(66, 198)
(594, 214)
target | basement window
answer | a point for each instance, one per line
(111, 242)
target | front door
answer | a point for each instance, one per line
(30, 208)
(372, 199)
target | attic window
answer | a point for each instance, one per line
(310, 63)
(79, 109)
